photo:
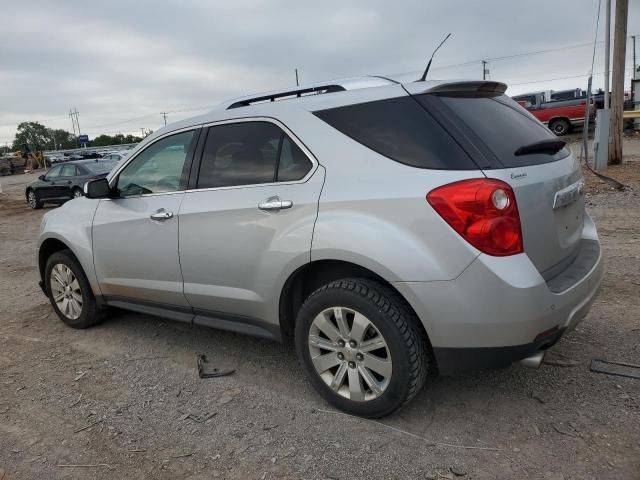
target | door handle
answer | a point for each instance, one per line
(275, 204)
(161, 215)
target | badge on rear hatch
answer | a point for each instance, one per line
(568, 194)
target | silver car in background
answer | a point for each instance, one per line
(387, 229)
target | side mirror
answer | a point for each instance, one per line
(41, 177)
(98, 188)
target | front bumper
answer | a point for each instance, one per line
(501, 310)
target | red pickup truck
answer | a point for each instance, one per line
(559, 115)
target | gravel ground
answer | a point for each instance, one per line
(123, 400)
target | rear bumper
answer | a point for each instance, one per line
(500, 310)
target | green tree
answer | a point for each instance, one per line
(31, 132)
(118, 139)
(61, 139)
(37, 134)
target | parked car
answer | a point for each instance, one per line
(64, 182)
(559, 115)
(388, 229)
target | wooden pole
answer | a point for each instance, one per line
(617, 83)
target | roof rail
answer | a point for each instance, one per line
(331, 86)
(290, 93)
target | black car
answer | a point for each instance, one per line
(64, 182)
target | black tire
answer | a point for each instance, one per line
(560, 126)
(397, 324)
(90, 314)
(77, 192)
(33, 200)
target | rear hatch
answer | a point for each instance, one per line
(509, 144)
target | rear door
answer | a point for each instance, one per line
(549, 187)
(248, 220)
(66, 181)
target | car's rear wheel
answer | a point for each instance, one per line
(560, 126)
(33, 200)
(361, 347)
(69, 291)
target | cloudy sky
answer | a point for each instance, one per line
(122, 62)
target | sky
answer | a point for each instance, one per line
(122, 62)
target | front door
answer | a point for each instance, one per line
(248, 221)
(135, 234)
(48, 189)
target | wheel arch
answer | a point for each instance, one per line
(51, 245)
(311, 276)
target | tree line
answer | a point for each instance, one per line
(34, 133)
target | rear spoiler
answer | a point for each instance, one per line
(457, 86)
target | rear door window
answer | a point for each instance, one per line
(400, 129)
(68, 171)
(500, 123)
(250, 153)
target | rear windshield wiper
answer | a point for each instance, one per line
(545, 146)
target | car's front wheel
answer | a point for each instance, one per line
(33, 200)
(361, 347)
(69, 291)
(77, 193)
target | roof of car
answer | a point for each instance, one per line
(317, 96)
(84, 161)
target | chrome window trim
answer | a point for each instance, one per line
(275, 121)
(133, 157)
(285, 129)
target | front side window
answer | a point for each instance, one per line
(250, 153)
(159, 168)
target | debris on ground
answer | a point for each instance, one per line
(620, 369)
(203, 372)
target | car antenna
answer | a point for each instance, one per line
(426, 70)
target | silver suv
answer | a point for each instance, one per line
(388, 229)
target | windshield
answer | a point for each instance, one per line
(104, 166)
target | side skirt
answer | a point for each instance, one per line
(223, 321)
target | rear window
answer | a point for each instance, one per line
(500, 123)
(103, 166)
(400, 129)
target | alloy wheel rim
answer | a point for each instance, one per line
(350, 354)
(66, 292)
(32, 199)
(77, 194)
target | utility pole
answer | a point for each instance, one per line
(142, 130)
(297, 82)
(164, 115)
(485, 70)
(77, 121)
(633, 39)
(73, 123)
(617, 83)
(607, 50)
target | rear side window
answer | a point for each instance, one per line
(250, 153)
(501, 124)
(400, 129)
(68, 171)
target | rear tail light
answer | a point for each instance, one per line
(483, 211)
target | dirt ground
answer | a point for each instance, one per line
(123, 400)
